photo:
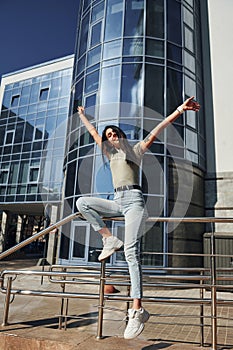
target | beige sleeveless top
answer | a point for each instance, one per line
(123, 172)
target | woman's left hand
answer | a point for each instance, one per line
(190, 105)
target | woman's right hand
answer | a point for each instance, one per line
(80, 110)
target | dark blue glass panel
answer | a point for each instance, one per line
(34, 93)
(92, 82)
(84, 175)
(84, 34)
(110, 85)
(133, 47)
(93, 56)
(86, 3)
(113, 26)
(96, 34)
(81, 65)
(174, 53)
(155, 19)
(131, 90)
(102, 177)
(134, 18)
(97, 12)
(78, 95)
(154, 88)
(154, 48)
(174, 21)
(90, 105)
(112, 49)
(6, 99)
(174, 90)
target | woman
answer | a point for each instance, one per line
(128, 201)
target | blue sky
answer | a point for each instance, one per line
(35, 31)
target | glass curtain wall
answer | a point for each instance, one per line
(32, 138)
(136, 61)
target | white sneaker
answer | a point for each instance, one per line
(111, 244)
(136, 321)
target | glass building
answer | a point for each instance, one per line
(135, 62)
(34, 110)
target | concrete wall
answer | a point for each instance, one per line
(219, 121)
(221, 53)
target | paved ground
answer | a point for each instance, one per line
(33, 321)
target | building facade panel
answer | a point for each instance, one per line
(135, 62)
(34, 112)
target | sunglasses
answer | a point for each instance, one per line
(110, 134)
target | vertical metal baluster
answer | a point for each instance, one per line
(63, 286)
(101, 301)
(213, 291)
(7, 302)
(202, 325)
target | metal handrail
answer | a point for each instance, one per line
(37, 235)
(121, 218)
(212, 272)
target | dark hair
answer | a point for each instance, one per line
(107, 148)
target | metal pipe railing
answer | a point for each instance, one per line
(104, 277)
(212, 275)
(37, 235)
(77, 214)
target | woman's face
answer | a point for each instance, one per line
(112, 137)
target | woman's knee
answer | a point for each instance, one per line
(81, 204)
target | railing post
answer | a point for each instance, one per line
(7, 302)
(101, 301)
(202, 325)
(60, 319)
(213, 291)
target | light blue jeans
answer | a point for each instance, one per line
(131, 205)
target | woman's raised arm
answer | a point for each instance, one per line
(188, 105)
(90, 128)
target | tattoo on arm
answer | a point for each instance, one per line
(147, 138)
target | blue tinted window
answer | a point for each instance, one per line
(174, 21)
(9, 137)
(81, 65)
(131, 83)
(134, 17)
(174, 53)
(155, 18)
(110, 84)
(112, 49)
(96, 34)
(102, 177)
(86, 3)
(6, 99)
(93, 56)
(78, 95)
(34, 93)
(65, 86)
(113, 26)
(90, 101)
(97, 12)
(154, 48)
(84, 35)
(174, 89)
(133, 47)
(92, 82)
(55, 88)
(154, 98)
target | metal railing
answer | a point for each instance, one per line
(207, 278)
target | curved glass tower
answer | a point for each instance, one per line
(135, 62)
